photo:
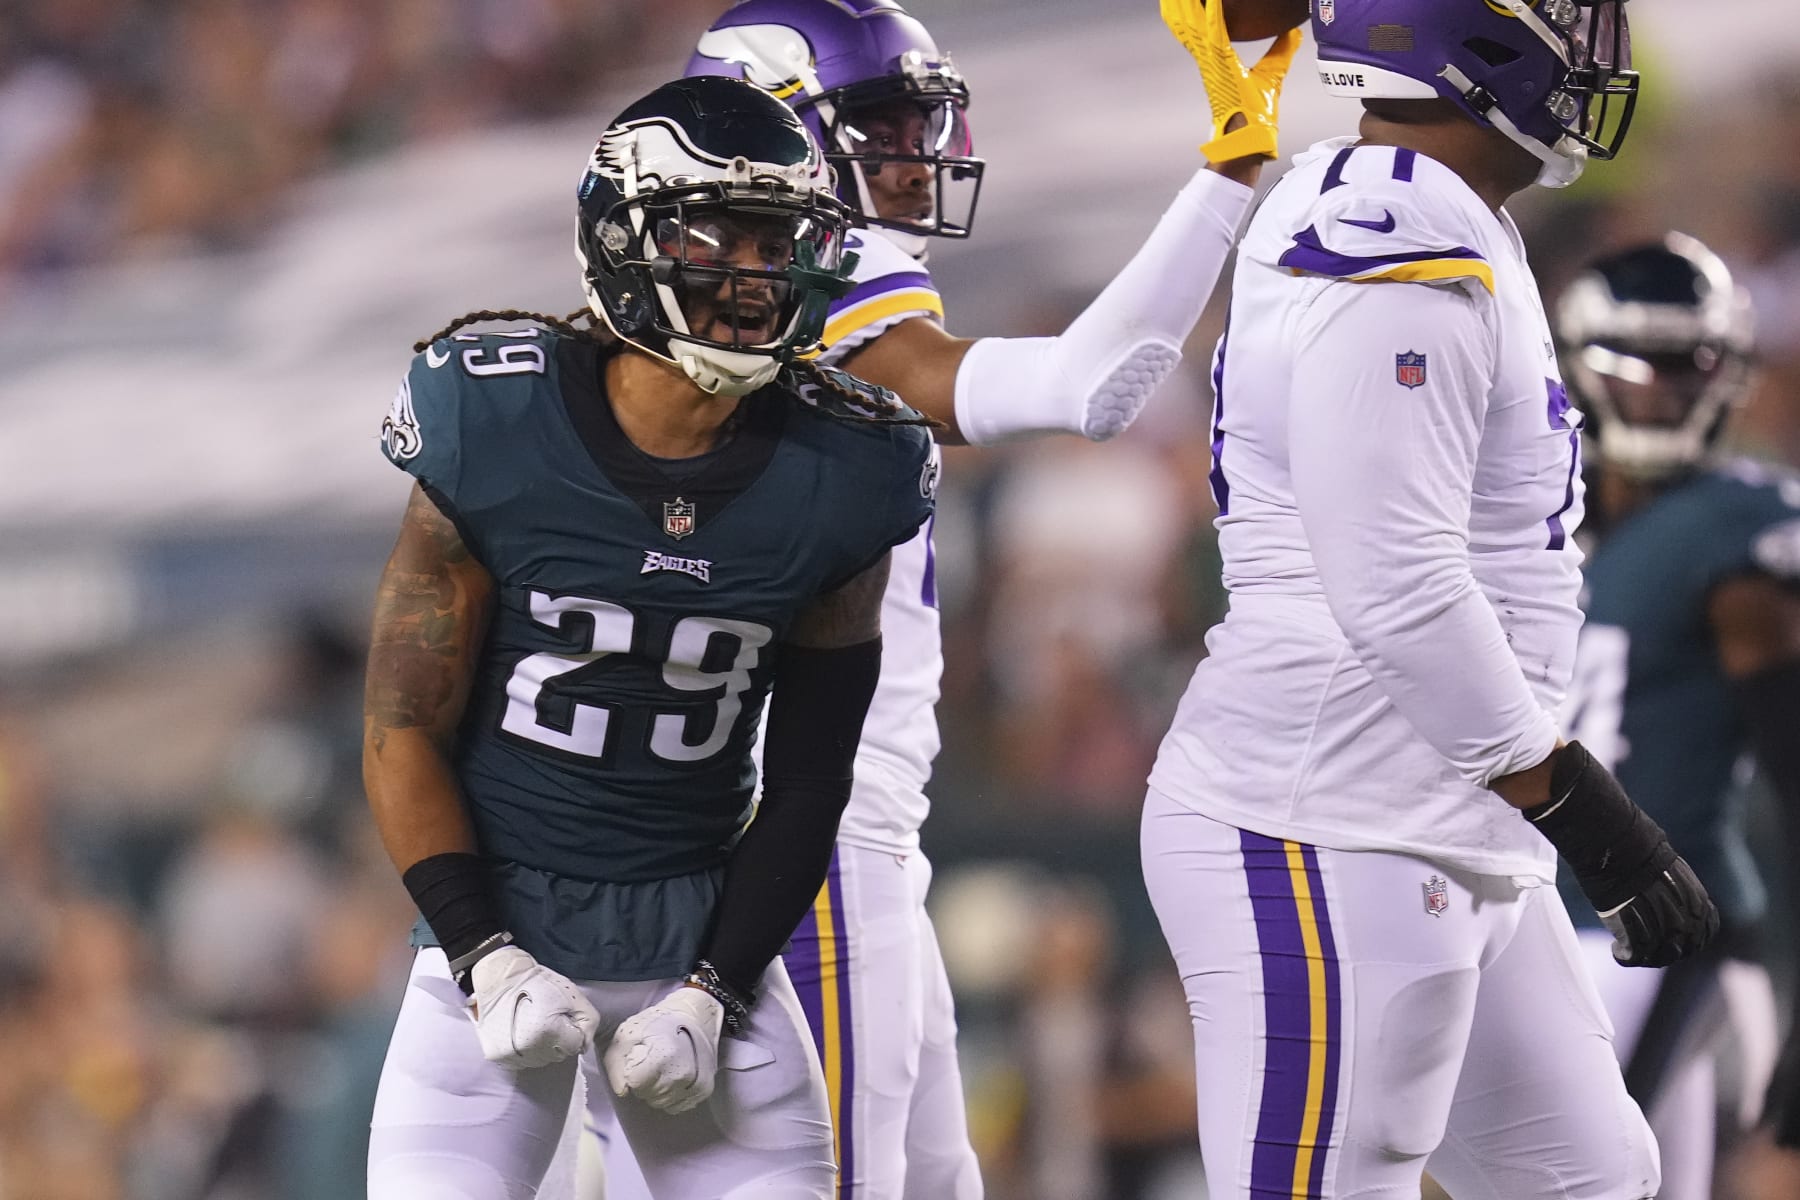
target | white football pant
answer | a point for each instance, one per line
(1361, 1015)
(866, 967)
(450, 1125)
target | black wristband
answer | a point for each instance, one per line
(454, 896)
(1610, 843)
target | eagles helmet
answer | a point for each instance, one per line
(1546, 73)
(709, 234)
(1657, 343)
(889, 108)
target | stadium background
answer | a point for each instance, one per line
(223, 222)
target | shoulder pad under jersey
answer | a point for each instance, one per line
(832, 392)
(880, 467)
(1388, 215)
(429, 419)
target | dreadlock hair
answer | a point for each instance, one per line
(842, 396)
(564, 325)
(816, 389)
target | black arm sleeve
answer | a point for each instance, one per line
(815, 722)
(1770, 703)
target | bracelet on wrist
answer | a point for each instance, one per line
(706, 977)
(462, 967)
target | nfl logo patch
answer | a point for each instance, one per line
(678, 518)
(1409, 369)
(1327, 11)
(1437, 896)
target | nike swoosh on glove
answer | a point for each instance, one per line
(526, 1014)
(668, 1054)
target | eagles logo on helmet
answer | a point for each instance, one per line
(1657, 340)
(709, 235)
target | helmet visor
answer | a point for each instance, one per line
(729, 268)
(912, 159)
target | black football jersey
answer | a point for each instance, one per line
(605, 751)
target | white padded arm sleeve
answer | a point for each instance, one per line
(1094, 378)
(1383, 478)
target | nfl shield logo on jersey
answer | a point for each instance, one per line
(1437, 896)
(1409, 369)
(678, 517)
(1327, 10)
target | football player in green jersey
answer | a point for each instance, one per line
(1690, 656)
(616, 544)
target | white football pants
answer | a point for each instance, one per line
(866, 966)
(1692, 1014)
(451, 1125)
(1358, 1015)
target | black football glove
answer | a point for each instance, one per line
(1644, 892)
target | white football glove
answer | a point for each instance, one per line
(526, 1014)
(668, 1054)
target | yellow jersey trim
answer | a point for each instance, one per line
(879, 308)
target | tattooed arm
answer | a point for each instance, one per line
(431, 614)
(825, 675)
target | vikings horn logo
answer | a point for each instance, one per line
(775, 58)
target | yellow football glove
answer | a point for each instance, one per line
(1232, 89)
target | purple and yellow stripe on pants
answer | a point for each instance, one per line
(818, 962)
(1302, 1015)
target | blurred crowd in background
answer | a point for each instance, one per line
(204, 944)
(132, 127)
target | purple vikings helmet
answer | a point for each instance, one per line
(1543, 72)
(841, 64)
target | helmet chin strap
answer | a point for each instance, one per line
(715, 371)
(1561, 166)
(721, 372)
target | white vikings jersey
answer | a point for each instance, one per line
(1395, 464)
(900, 735)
